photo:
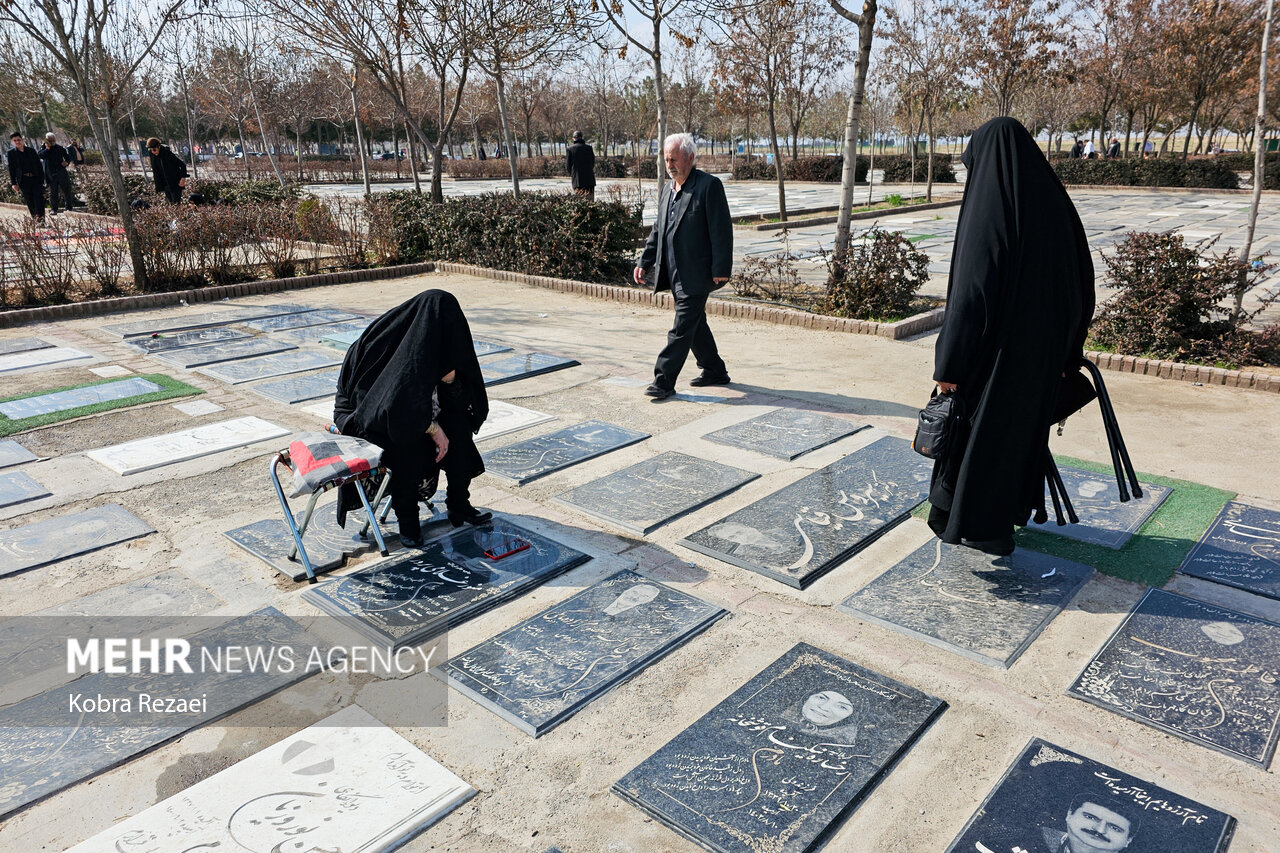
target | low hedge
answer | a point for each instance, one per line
(226, 191)
(494, 167)
(611, 167)
(1159, 172)
(552, 234)
(820, 169)
(897, 169)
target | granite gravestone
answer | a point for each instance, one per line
(528, 460)
(12, 453)
(406, 600)
(317, 317)
(341, 340)
(347, 783)
(172, 448)
(1241, 549)
(777, 764)
(546, 669)
(40, 358)
(50, 741)
(988, 609)
(267, 366)
(511, 368)
(190, 357)
(19, 487)
(1201, 672)
(1103, 519)
(54, 539)
(164, 325)
(507, 417)
(90, 395)
(649, 494)
(785, 433)
(314, 334)
(298, 389)
(484, 348)
(1051, 796)
(13, 345)
(182, 340)
(802, 531)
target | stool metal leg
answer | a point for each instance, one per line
(377, 502)
(368, 513)
(288, 517)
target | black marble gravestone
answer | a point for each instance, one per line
(112, 390)
(54, 539)
(546, 669)
(1201, 672)
(298, 389)
(484, 348)
(779, 763)
(649, 494)
(510, 368)
(989, 609)
(224, 351)
(12, 453)
(786, 433)
(49, 742)
(1241, 549)
(528, 460)
(1051, 794)
(316, 334)
(268, 366)
(164, 325)
(800, 532)
(405, 600)
(182, 340)
(1103, 519)
(19, 487)
(317, 317)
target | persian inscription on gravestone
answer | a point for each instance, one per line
(49, 742)
(407, 599)
(649, 494)
(786, 433)
(507, 417)
(91, 395)
(777, 764)
(802, 531)
(510, 368)
(539, 673)
(182, 340)
(267, 366)
(54, 539)
(315, 334)
(528, 460)
(12, 453)
(1241, 549)
(1201, 672)
(1103, 519)
(224, 351)
(369, 789)
(989, 609)
(317, 317)
(298, 389)
(160, 450)
(13, 345)
(40, 358)
(19, 487)
(484, 348)
(1051, 797)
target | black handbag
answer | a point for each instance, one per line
(937, 426)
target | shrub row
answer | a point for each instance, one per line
(822, 169)
(1160, 172)
(528, 167)
(897, 169)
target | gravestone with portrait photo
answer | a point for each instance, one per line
(1053, 797)
(528, 460)
(1198, 671)
(1104, 520)
(541, 672)
(786, 433)
(1241, 549)
(781, 761)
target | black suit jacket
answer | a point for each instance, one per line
(703, 240)
(25, 166)
(580, 159)
(167, 169)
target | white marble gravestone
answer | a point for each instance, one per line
(110, 371)
(508, 417)
(347, 783)
(40, 358)
(160, 450)
(195, 408)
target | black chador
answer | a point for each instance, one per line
(385, 395)
(1019, 302)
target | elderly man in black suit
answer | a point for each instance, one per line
(580, 160)
(26, 175)
(690, 252)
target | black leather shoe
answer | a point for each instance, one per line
(658, 392)
(472, 516)
(410, 542)
(704, 379)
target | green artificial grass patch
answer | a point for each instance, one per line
(1156, 550)
(170, 388)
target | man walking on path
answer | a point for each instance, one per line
(56, 159)
(691, 247)
(581, 162)
(26, 175)
(170, 172)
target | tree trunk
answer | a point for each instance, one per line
(104, 132)
(1259, 130)
(508, 139)
(355, 115)
(298, 152)
(928, 188)
(1186, 143)
(186, 114)
(866, 24)
(660, 94)
(413, 159)
(244, 150)
(262, 129)
(777, 163)
(395, 148)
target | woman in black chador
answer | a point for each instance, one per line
(411, 385)
(1019, 303)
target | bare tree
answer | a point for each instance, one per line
(865, 22)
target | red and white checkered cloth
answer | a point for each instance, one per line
(318, 459)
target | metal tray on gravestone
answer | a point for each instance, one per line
(90, 395)
(172, 448)
(528, 460)
(224, 317)
(1053, 799)
(315, 334)
(484, 348)
(182, 340)
(785, 433)
(407, 599)
(298, 389)
(801, 532)
(369, 788)
(267, 366)
(1241, 549)
(1201, 672)
(779, 763)
(46, 357)
(546, 669)
(12, 453)
(1103, 519)
(649, 494)
(988, 609)
(316, 317)
(13, 345)
(19, 487)
(190, 357)
(54, 539)
(507, 417)
(497, 371)
(50, 741)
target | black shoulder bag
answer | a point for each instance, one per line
(939, 423)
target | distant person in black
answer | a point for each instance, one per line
(56, 159)
(26, 175)
(76, 150)
(581, 162)
(1019, 302)
(168, 169)
(1113, 150)
(1077, 150)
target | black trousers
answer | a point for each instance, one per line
(33, 195)
(411, 464)
(689, 332)
(173, 194)
(60, 189)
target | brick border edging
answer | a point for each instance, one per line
(1181, 372)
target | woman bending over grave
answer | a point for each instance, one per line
(1019, 302)
(411, 384)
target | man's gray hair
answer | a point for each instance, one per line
(684, 141)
